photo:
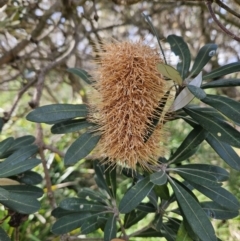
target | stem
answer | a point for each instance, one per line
(223, 28)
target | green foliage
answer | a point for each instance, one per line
(113, 212)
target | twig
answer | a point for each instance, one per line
(223, 28)
(8, 114)
(224, 6)
(39, 142)
(53, 149)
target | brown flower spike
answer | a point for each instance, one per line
(129, 89)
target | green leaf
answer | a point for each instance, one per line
(193, 140)
(162, 191)
(3, 235)
(218, 195)
(168, 233)
(94, 195)
(218, 174)
(150, 232)
(153, 198)
(51, 114)
(5, 145)
(194, 214)
(135, 195)
(185, 95)
(59, 212)
(70, 222)
(81, 73)
(30, 178)
(168, 71)
(70, 126)
(225, 151)
(197, 92)
(18, 168)
(81, 148)
(196, 175)
(83, 205)
(158, 221)
(223, 70)
(220, 129)
(22, 141)
(216, 211)
(1, 124)
(158, 178)
(203, 56)
(146, 207)
(133, 217)
(3, 194)
(18, 157)
(180, 48)
(227, 106)
(110, 174)
(90, 225)
(221, 83)
(99, 177)
(182, 234)
(153, 122)
(21, 203)
(31, 191)
(110, 230)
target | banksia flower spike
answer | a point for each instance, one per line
(129, 94)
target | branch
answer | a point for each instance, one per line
(223, 28)
(11, 54)
(7, 115)
(224, 6)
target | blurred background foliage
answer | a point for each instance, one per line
(39, 40)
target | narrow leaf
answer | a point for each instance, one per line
(135, 195)
(197, 92)
(133, 217)
(227, 106)
(185, 95)
(5, 145)
(18, 168)
(158, 178)
(223, 70)
(94, 195)
(21, 203)
(153, 198)
(111, 179)
(90, 225)
(81, 148)
(150, 232)
(1, 124)
(110, 230)
(146, 207)
(81, 73)
(99, 177)
(203, 56)
(182, 234)
(3, 194)
(168, 71)
(31, 191)
(29, 178)
(3, 235)
(59, 212)
(70, 222)
(180, 48)
(218, 174)
(216, 211)
(70, 126)
(194, 139)
(83, 205)
(51, 114)
(218, 195)
(198, 176)
(220, 129)
(18, 157)
(22, 141)
(221, 83)
(194, 214)
(225, 151)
